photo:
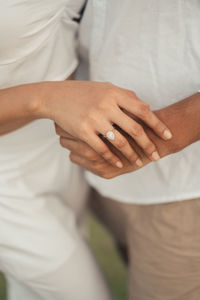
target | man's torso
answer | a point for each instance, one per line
(151, 47)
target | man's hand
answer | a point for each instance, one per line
(183, 118)
(82, 154)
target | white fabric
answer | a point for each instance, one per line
(37, 40)
(153, 48)
(79, 278)
(37, 43)
(34, 185)
(38, 233)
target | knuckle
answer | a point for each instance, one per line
(109, 157)
(103, 151)
(138, 130)
(91, 115)
(109, 100)
(98, 165)
(98, 168)
(130, 93)
(103, 104)
(92, 156)
(121, 143)
(112, 93)
(84, 127)
(144, 110)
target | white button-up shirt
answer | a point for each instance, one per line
(153, 48)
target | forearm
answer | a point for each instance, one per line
(183, 118)
(22, 104)
(12, 126)
(18, 106)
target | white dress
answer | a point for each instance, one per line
(39, 245)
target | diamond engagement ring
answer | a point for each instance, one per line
(110, 135)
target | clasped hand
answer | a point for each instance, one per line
(96, 107)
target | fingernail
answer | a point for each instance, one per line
(155, 155)
(167, 134)
(139, 163)
(119, 165)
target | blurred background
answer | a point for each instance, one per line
(108, 257)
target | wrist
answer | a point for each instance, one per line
(183, 120)
(173, 145)
(38, 106)
(49, 99)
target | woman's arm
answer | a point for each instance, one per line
(85, 110)
(89, 109)
(19, 106)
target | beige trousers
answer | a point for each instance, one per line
(163, 242)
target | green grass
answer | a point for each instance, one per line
(104, 249)
(109, 259)
(2, 288)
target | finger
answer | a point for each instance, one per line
(61, 132)
(142, 111)
(122, 144)
(102, 149)
(80, 148)
(73, 145)
(88, 165)
(137, 132)
(81, 161)
(118, 141)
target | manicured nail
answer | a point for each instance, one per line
(139, 163)
(155, 155)
(119, 165)
(167, 134)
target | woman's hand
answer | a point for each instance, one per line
(89, 109)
